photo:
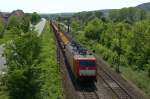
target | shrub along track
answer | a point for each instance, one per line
(107, 87)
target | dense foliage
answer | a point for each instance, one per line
(2, 27)
(35, 18)
(52, 87)
(32, 71)
(128, 15)
(14, 21)
(19, 24)
(22, 55)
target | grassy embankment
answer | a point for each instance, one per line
(6, 37)
(52, 88)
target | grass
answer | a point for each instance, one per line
(6, 37)
(139, 78)
(52, 87)
(3, 92)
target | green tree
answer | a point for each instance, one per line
(1, 26)
(23, 78)
(140, 47)
(25, 26)
(128, 15)
(14, 21)
(35, 18)
(94, 29)
(24, 83)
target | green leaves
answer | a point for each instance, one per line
(52, 86)
(140, 44)
(128, 15)
(22, 55)
(25, 49)
(2, 27)
(24, 83)
(14, 21)
(1, 24)
(19, 25)
(94, 29)
(35, 18)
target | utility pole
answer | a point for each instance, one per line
(68, 25)
(59, 20)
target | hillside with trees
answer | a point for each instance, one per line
(144, 6)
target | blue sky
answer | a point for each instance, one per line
(57, 6)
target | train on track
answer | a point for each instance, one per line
(81, 61)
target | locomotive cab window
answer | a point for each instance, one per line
(87, 63)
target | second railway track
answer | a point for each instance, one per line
(118, 90)
(88, 95)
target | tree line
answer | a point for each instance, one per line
(23, 77)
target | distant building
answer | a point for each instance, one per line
(6, 15)
(17, 13)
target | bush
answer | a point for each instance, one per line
(23, 77)
(35, 18)
(52, 86)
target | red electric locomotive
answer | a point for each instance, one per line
(83, 63)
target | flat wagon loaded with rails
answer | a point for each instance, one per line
(82, 62)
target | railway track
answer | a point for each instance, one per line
(88, 95)
(87, 91)
(118, 90)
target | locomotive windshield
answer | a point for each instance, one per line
(87, 63)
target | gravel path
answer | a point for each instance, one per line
(3, 66)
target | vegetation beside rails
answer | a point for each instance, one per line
(139, 78)
(52, 87)
(48, 83)
(32, 65)
(7, 36)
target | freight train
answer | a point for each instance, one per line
(81, 61)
